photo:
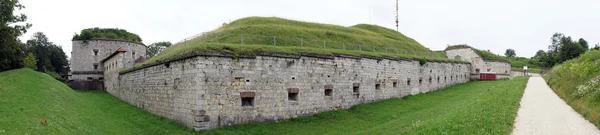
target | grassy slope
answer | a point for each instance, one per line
(481, 107)
(358, 34)
(288, 33)
(579, 72)
(27, 98)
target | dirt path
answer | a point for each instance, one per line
(543, 113)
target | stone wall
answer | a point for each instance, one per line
(87, 54)
(206, 92)
(478, 65)
(111, 71)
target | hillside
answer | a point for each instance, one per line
(252, 35)
(577, 82)
(35, 103)
(29, 100)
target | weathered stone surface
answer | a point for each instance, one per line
(87, 55)
(478, 65)
(217, 84)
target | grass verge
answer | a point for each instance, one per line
(29, 99)
(577, 82)
(482, 107)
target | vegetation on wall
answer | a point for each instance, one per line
(577, 81)
(230, 43)
(107, 33)
(155, 48)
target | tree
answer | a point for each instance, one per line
(155, 48)
(569, 49)
(11, 27)
(510, 53)
(29, 61)
(584, 44)
(50, 57)
(596, 47)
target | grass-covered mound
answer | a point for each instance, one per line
(35, 103)
(276, 35)
(289, 32)
(577, 81)
(107, 33)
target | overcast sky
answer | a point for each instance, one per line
(525, 26)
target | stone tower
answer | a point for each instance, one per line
(86, 67)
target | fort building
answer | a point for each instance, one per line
(87, 70)
(478, 64)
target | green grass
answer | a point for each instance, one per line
(530, 70)
(482, 107)
(577, 82)
(271, 26)
(27, 98)
(289, 36)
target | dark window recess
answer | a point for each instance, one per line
(408, 82)
(420, 81)
(247, 98)
(101, 78)
(95, 66)
(89, 78)
(95, 51)
(355, 91)
(167, 64)
(328, 92)
(293, 94)
(395, 84)
(247, 101)
(429, 79)
(377, 86)
(477, 70)
(438, 79)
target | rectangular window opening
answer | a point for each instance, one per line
(377, 86)
(293, 96)
(248, 101)
(89, 78)
(355, 91)
(395, 84)
(101, 78)
(329, 92)
(408, 82)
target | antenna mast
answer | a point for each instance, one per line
(396, 15)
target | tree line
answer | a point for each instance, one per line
(563, 48)
(38, 53)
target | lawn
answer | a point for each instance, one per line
(482, 107)
(35, 103)
(29, 99)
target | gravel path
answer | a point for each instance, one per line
(543, 113)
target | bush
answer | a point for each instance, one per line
(107, 33)
(30, 62)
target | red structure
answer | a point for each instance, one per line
(487, 76)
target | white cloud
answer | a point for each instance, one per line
(525, 26)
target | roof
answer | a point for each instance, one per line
(140, 59)
(121, 49)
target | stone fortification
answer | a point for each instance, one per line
(210, 91)
(86, 67)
